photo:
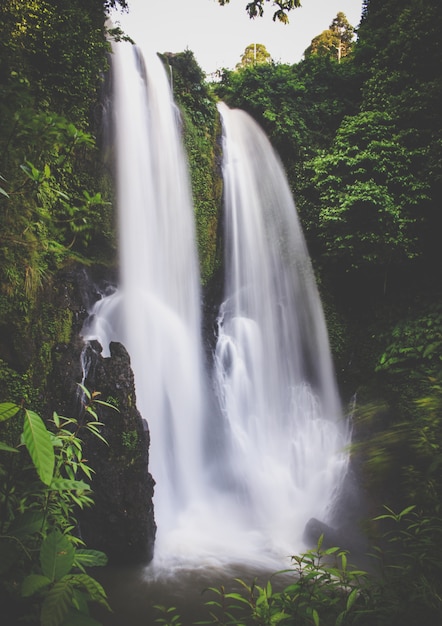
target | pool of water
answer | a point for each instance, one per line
(133, 592)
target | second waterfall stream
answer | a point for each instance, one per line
(246, 449)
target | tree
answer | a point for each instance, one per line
(399, 51)
(371, 200)
(52, 59)
(254, 54)
(255, 8)
(335, 42)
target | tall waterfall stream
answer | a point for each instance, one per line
(244, 450)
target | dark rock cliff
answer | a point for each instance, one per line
(121, 522)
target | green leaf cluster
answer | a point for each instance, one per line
(415, 345)
(43, 560)
(255, 8)
(323, 589)
(372, 202)
(336, 42)
(55, 197)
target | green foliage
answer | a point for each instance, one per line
(371, 201)
(255, 8)
(323, 589)
(200, 134)
(54, 203)
(254, 54)
(299, 106)
(415, 345)
(56, 47)
(207, 189)
(43, 561)
(401, 453)
(336, 42)
(409, 590)
(169, 616)
(190, 89)
(395, 42)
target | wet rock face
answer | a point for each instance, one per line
(121, 523)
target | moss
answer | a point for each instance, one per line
(13, 386)
(207, 191)
(130, 440)
(201, 131)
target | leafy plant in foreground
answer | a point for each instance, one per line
(323, 589)
(409, 588)
(42, 559)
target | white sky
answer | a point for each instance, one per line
(219, 35)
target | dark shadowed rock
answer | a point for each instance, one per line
(121, 523)
(315, 528)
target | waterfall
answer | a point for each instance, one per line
(245, 452)
(284, 428)
(155, 311)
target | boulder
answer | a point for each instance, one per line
(121, 523)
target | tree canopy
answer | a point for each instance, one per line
(336, 41)
(255, 8)
(255, 54)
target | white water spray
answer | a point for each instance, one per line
(235, 484)
(285, 431)
(155, 312)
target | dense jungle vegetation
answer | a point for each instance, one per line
(357, 124)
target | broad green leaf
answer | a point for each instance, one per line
(33, 583)
(38, 443)
(91, 586)
(8, 410)
(90, 558)
(57, 603)
(56, 555)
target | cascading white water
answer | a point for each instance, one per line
(286, 435)
(234, 484)
(155, 312)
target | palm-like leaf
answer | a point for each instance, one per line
(39, 445)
